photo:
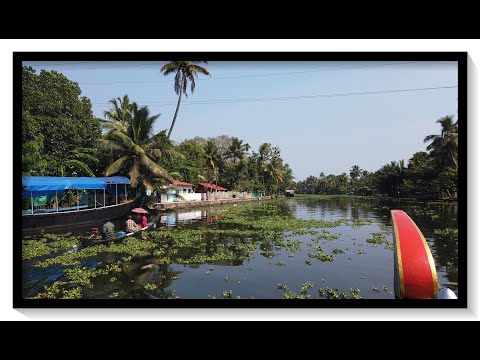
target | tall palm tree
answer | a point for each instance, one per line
(355, 173)
(343, 180)
(212, 158)
(276, 171)
(444, 147)
(136, 151)
(185, 71)
(120, 115)
(237, 150)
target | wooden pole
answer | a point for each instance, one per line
(78, 201)
(116, 194)
(56, 199)
(103, 197)
(31, 198)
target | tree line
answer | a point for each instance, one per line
(431, 173)
(62, 137)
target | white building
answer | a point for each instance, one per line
(184, 189)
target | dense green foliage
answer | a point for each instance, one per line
(58, 127)
(434, 172)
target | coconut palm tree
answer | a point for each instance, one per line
(136, 151)
(276, 171)
(185, 71)
(355, 173)
(343, 180)
(120, 115)
(212, 158)
(237, 150)
(444, 147)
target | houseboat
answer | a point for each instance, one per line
(51, 202)
(289, 193)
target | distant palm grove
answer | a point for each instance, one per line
(62, 137)
(432, 174)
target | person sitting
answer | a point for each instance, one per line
(108, 229)
(144, 221)
(131, 225)
(94, 234)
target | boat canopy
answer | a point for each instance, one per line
(49, 185)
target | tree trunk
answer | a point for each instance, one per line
(178, 107)
(454, 161)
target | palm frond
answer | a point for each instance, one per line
(109, 145)
(134, 173)
(81, 166)
(155, 168)
(116, 165)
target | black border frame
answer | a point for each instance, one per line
(460, 57)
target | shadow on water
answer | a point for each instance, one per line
(245, 251)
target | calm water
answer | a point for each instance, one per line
(274, 260)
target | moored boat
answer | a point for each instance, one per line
(108, 199)
(289, 193)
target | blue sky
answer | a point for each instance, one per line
(323, 133)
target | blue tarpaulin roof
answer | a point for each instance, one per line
(47, 185)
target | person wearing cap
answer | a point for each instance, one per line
(108, 229)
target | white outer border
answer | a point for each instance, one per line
(6, 99)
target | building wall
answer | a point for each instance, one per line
(186, 196)
(192, 196)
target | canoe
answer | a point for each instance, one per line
(87, 241)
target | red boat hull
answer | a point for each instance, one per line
(415, 273)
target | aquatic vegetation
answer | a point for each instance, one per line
(447, 233)
(324, 257)
(227, 294)
(330, 293)
(305, 286)
(212, 297)
(308, 262)
(294, 245)
(338, 251)
(150, 287)
(375, 289)
(280, 263)
(360, 252)
(75, 279)
(360, 222)
(282, 286)
(47, 244)
(325, 235)
(292, 295)
(226, 278)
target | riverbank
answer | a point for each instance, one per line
(168, 206)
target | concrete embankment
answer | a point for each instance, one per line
(207, 203)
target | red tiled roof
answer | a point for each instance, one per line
(178, 183)
(213, 187)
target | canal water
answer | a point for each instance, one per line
(306, 246)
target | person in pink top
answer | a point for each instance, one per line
(143, 221)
